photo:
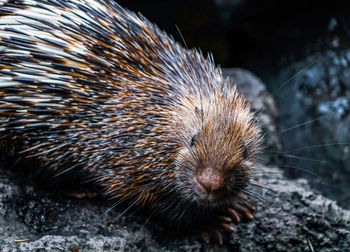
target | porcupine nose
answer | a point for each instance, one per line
(208, 181)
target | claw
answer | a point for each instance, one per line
(245, 203)
(244, 212)
(249, 216)
(243, 197)
(216, 234)
(219, 238)
(226, 227)
(233, 214)
(225, 219)
(249, 206)
(239, 209)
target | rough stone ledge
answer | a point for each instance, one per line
(289, 217)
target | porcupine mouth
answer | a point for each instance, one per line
(218, 198)
(210, 197)
(215, 201)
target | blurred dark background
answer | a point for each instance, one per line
(251, 33)
(302, 44)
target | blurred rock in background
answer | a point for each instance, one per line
(320, 95)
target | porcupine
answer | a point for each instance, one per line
(90, 87)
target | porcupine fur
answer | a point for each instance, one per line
(90, 87)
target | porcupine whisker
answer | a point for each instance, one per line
(276, 153)
(253, 173)
(316, 146)
(169, 198)
(241, 183)
(301, 169)
(295, 75)
(296, 157)
(318, 176)
(147, 220)
(124, 199)
(284, 84)
(256, 196)
(329, 186)
(294, 167)
(15, 163)
(121, 200)
(299, 125)
(265, 202)
(128, 208)
(305, 158)
(183, 39)
(262, 159)
(250, 193)
(155, 211)
(263, 187)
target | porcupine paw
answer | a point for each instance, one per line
(240, 209)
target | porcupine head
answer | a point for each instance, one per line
(219, 139)
(155, 124)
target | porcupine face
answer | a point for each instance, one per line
(216, 160)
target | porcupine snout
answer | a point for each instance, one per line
(209, 180)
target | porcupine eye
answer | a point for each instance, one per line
(193, 140)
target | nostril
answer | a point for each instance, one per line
(208, 180)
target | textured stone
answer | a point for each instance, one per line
(289, 216)
(318, 98)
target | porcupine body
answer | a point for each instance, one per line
(90, 87)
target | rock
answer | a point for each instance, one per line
(289, 216)
(320, 95)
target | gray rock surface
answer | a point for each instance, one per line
(318, 98)
(290, 216)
